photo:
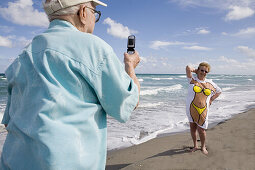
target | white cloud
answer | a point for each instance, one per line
(143, 59)
(172, 65)
(160, 44)
(154, 64)
(239, 8)
(195, 47)
(14, 41)
(246, 32)
(22, 41)
(220, 4)
(238, 13)
(22, 12)
(203, 31)
(247, 51)
(228, 60)
(224, 33)
(199, 30)
(231, 66)
(117, 29)
(5, 42)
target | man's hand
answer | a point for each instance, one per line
(131, 60)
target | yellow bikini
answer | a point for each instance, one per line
(198, 107)
(198, 89)
(207, 92)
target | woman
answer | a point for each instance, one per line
(201, 93)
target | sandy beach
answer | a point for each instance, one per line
(231, 145)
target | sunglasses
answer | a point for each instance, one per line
(204, 71)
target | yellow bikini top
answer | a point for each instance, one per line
(199, 89)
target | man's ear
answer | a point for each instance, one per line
(82, 14)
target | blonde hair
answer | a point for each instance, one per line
(205, 65)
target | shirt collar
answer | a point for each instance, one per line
(200, 81)
(61, 23)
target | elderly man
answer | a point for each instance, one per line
(61, 87)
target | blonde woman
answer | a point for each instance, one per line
(201, 93)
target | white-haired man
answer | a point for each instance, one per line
(60, 89)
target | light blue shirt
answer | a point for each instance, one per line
(60, 89)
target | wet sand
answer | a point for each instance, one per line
(231, 145)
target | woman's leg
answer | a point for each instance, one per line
(193, 132)
(202, 134)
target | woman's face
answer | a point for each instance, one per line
(202, 72)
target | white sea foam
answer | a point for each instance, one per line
(155, 78)
(145, 136)
(140, 80)
(147, 105)
(227, 88)
(250, 79)
(182, 76)
(157, 90)
(149, 92)
(2, 108)
(163, 78)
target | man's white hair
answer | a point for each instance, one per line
(65, 11)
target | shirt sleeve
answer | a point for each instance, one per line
(116, 91)
(218, 89)
(189, 79)
(6, 117)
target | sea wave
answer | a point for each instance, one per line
(147, 105)
(182, 76)
(227, 88)
(145, 136)
(157, 90)
(155, 78)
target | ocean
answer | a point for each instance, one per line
(163, 105)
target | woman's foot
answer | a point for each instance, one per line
(194, 149)
(204, 151)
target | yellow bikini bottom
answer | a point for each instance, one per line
(199, 110)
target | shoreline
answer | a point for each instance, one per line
(230, 143)
(210, 126)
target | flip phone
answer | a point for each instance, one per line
(131, 44)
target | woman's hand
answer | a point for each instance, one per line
(214, 97)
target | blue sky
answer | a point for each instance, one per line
(170, 34)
